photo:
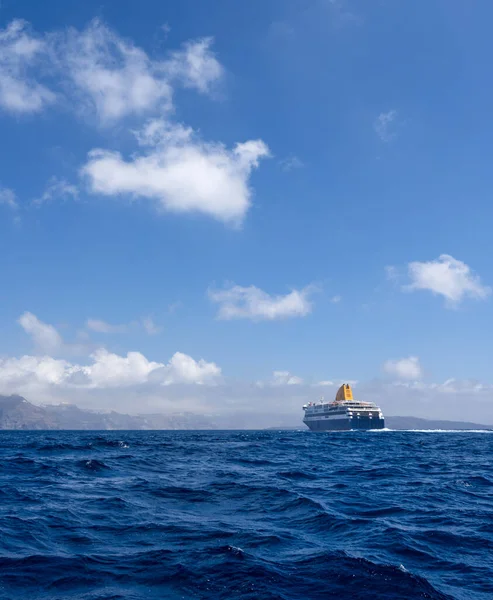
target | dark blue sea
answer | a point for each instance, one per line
(246, 515)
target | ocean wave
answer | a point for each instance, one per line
(246, 515)
(93, 464)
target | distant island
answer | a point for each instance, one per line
(406, 423)
(17, 413)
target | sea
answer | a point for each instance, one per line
(257, 515)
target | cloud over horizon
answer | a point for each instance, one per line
(131, 382)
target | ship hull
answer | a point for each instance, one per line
(346, 424)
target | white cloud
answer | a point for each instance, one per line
(112, 370)
(98, 68)
(404, 368)
(184, 369)
(32, 369)
(195, 65)
(20, 51)
(100, 326)
(336, 299)
(383, 125)
(57, 189)
(118, 78)
(285, 378)
(448, 277)
(107, 370)
(45, 336)
(238, 302)
(7, 197)
(180, 172)
(100, 71)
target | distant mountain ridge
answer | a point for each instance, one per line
(410, 423)
(418, 423)
(16, 413)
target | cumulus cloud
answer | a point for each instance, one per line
(117, 78)
(45, 336)
(20, 52)
(447, 277)
(195, 65)
(106, 370)
(180, 172)
(15, 373)
(46, 378)
(384, 125)
(98, 69)
(238, 302)
(111, 370)
(57, 188)
(404, 368)
(184, 369)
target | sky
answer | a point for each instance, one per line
(233, 207)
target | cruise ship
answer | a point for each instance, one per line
(343, 414)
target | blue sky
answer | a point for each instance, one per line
(290, 192)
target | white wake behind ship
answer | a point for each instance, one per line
(343, 414)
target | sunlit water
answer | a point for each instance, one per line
(247, 515)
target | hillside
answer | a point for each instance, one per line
(17, 413)
(417, 423)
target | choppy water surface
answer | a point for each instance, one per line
(250, 515)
